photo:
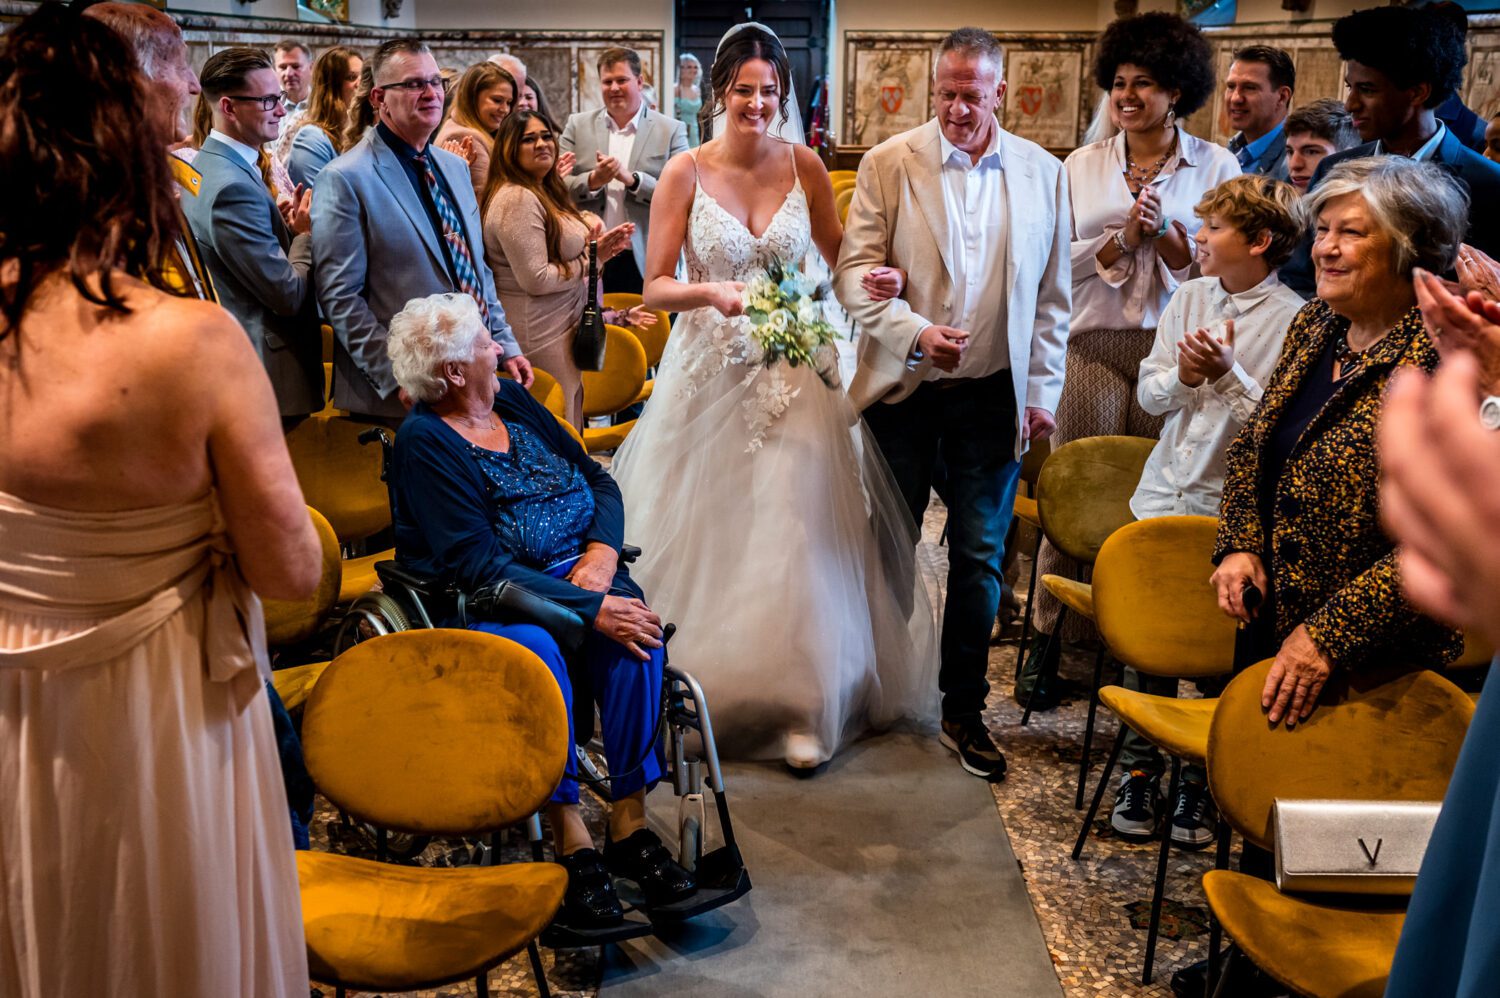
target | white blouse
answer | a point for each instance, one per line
(1185, 473)
(1132, 293)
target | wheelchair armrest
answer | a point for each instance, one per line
(419, 582)
(629, 553)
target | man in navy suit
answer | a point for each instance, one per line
(260, 259)
(395, 218)
(1402, 64)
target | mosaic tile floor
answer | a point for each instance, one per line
(1092, 912)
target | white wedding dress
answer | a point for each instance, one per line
(771, 530)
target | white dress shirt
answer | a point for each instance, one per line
(1428, 150)
(1185, 473)
(621, 145)
(249, 154)
(978, 237)
(1132, 293)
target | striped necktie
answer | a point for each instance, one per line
(453, 235)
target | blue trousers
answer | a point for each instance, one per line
(970, 427)
(628, 692)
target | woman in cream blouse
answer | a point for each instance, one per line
(1132, 198)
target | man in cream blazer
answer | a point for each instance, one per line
(965, 368)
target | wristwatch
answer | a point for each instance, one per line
(1489, 413)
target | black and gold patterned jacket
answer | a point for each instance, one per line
(1331, 564)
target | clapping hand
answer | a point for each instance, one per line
(1478, 271)
(1440, 494)
(1144, 218)
(463, 148)
(882, 283)
(608, 168)
(944, 345)
(1201, 356)
(615, 241)
(297, 212)
(565, 163)
(1461, 325)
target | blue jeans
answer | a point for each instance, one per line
(627, 690)
(970, 428)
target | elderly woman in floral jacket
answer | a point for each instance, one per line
(1301, 491)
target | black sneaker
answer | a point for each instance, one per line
(590, 901)
(641, 857)
(976, 750)
(1137, 805)
(1031, 689)
(1193, 816)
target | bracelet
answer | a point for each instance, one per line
(1120, 242)
(1165, 225)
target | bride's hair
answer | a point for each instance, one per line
(747, 44)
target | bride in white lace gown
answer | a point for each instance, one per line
(772, 532)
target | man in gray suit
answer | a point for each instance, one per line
(1257, 96)
(621, 149)
(394, 219)
(261, 261)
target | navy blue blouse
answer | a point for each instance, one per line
(482, 518)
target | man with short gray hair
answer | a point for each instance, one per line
(966, 367)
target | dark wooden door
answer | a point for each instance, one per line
(802, 26)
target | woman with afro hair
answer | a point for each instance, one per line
(1132, 197)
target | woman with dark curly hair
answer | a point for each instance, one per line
(142, 510)
(1132, 196)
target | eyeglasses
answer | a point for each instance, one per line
(267, 103)
(437, 83)
(536, 138)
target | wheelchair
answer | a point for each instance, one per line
(410, 599)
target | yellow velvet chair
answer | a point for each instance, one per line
(841, 201)
(340, 478)
(1158, 615)
(653, 338)
(613, 389)
(291, 622)
(836, 175)
(1371, 738)
(1083, 495)
(545, 389)
(327, 343)
(430, 732)
(1026, 511)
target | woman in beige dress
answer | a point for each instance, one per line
(146, 497)
(482, 102)
(536, 243)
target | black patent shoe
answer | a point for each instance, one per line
(641, 857)
(591, 901)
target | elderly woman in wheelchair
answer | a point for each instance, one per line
(489, 490)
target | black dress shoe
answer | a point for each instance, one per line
(642, 857)
(590, 901)
(1246, 980)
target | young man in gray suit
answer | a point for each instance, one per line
(621, 149)
(260, 259)
(965, 368)
(394, 219)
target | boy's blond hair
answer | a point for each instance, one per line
(1255, 204)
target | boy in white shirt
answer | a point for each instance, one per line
(1216, 345)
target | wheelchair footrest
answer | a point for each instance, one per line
(721, 879)
(557, 936)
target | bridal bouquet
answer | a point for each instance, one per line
(785, 308)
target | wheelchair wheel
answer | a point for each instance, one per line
(372, 615)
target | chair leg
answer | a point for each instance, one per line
(482, 985)
(1161, 877)
(538, 970)
(1046, 672)
(1030, 603)
(1215, 930)
(1088, 729)
(1109, 768)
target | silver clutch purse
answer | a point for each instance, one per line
(1350, 846)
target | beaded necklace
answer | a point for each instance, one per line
(1138, 177)
(1346, 357)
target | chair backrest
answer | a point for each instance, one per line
(545, 389)
(841, 202)
(436, 732)
(1083, 493)
(340, 478)
(1152, 601)
(653, 338)
(608, 391)
(327, 344)
(1372, 737)
(843, 184)
(836, 175)
(291, 621)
